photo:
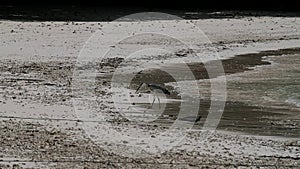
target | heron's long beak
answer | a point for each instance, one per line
(139, 87)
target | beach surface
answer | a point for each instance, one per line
(46, 120)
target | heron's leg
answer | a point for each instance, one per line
(153, 101)
(158, 101)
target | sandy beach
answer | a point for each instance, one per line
(47, 121)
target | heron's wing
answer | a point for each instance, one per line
(164, 90)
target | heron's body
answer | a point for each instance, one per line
(158, 89)
(155, 89)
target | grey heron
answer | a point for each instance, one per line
(155, 89)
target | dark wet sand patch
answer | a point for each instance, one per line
(257, 120)
(239, 117)
(237, 64)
